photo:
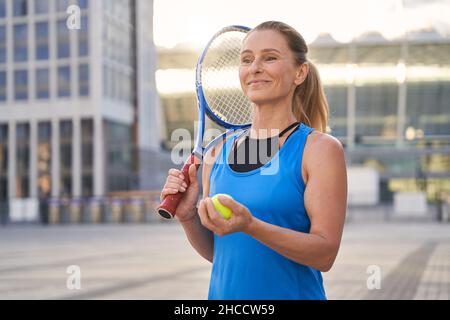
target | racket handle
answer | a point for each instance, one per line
(169, 205)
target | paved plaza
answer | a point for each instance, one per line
(155, 261)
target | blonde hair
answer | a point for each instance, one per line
(309, 103)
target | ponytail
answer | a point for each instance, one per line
(309, 104)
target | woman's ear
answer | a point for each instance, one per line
(301, 74)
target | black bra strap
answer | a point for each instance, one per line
(288, 128)
(245, 133)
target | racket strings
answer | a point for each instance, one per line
(220, 79)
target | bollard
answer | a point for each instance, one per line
(96, 209)
(54, 208)
(116, 210)
(75, 210)
(445, 213)
(150, 206)
(86, 216)
(4, 212)
(137, 209)
(127, 213)
(65, 211)
(107, 214)
(44, 208)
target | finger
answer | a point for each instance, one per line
(176, 173)
(176, 180)
(233, 205)
(204, 217)
(175, 185)
(167, 191)
(193, 173)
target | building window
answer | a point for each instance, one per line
(83, 37)
(2, 44)
(62, 5)
(376, 111)
(2, 8)
(42, 83)
(119, 151)
(64, 81)
(106, 81)
(44, 159)
(21, 85)
(42, 51)
(2, 86)
(434, 97)
(66, 131)
(337, 101)
(23, 159)
(41, 6)
(83, 80)
(83, 4)
(20, 8)
(63, 39)
(20, 42)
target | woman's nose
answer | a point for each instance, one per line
(256, 66)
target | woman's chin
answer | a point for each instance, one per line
(258, 99)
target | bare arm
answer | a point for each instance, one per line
(325, 202)
(200, 238)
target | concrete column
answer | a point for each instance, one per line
(76, 158)
(55, 171)
(33, 159)
(12, 160)
(351, 115)
(402, 94)
(99, 157)
(351, 97)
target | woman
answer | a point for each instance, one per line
(289, 209)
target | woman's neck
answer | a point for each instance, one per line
(270, 120)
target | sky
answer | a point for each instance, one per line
(195, 21)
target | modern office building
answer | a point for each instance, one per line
(389, 104)
(77, 96)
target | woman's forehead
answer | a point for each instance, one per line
(260, 40)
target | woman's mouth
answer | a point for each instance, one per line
(256, 82)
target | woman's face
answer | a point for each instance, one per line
(268, 71)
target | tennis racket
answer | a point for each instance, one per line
(219, 96)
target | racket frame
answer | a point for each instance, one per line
(167, 208)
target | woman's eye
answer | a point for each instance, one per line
(246, 61)
(270, 58)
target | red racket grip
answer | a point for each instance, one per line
(169, 205)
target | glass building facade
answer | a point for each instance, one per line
(48, 15)
(389, 104)
(65, 134)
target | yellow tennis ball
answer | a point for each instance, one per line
(225, 212)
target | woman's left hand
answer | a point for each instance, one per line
(240, 220)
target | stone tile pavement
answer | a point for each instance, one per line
(155, 261)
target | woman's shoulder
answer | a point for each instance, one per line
(317, 139)
(321, 146)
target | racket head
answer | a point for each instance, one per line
(220, 96)
(218, 87)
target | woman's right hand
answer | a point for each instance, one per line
(175, 183)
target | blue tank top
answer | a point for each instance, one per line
(244, 268)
